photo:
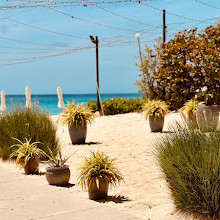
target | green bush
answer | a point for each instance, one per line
(118, 105)
(190, 161)
(174, 71)
(24, 123)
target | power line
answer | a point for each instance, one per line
(206, 4)
(92, 22)
(44, 29)
(32, 43)
(179, 16)
(46, 4)
(32, 59)
(126, 18)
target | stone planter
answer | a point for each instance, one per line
(207, 117)
(32, 166)
(78, 133)
(100, 191)
(156, 124)
(58, 176)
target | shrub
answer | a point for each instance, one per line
(190, 162)
(186, 63)
(22, 123)
(118, 105)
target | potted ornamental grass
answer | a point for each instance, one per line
(76, 116)
(96, 173)
(188, 112)
(58, 173)
(207, 116)
(156, 110)
(27, 155)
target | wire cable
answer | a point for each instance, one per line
(44, 29)
(206, 4)
(126, 18)
(92, 22)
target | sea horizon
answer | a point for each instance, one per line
(48, 102)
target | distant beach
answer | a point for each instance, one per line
(49, 102)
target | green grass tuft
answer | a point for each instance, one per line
(24, 123)
(190, 161)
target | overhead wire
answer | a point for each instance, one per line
(32, 43)
(179, 16)
(206, 4)
(126, 18)
(44, 29)
(92, 22)
(45, 4)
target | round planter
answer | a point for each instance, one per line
(207, 117)
(58, 176)
(78, 133)
(156, 124)
(32, 166)
(100, 191)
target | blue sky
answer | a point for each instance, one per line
(33, 34)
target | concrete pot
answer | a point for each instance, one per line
(32, 166)
(78, 133)
(207, 117)
(156, 124)
(98, 192)
(58, 176)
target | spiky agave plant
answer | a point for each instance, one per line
(190, 106)
(25, 151)
(156, 108)
(74, 114)
(96, 166)
(57, 160)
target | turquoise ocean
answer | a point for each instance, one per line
(49, 102)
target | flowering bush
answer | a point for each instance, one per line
(205, 96)
(185, 63)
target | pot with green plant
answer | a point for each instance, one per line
(58, 173)
(76, 116)
(188, 112)
(96, 173)
(27, 155)
(156, 110)
(207, 116)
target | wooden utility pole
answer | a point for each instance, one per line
(96, 42)
(164, 40)
(164, 26)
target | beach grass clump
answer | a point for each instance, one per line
(32, 124)
(118, 106)
(190, 162)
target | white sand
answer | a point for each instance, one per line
(128, 138)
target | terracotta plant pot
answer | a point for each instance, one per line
(32, 166)
(98, 192)
(156, 124)
(207, 117)
(78, 133)
(58, 176)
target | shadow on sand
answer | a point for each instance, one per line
(115, 199)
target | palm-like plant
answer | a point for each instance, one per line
(25, 151)
(190, 106)
(57, 160)
(98, 166)
(74, 114)
(156, 108)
